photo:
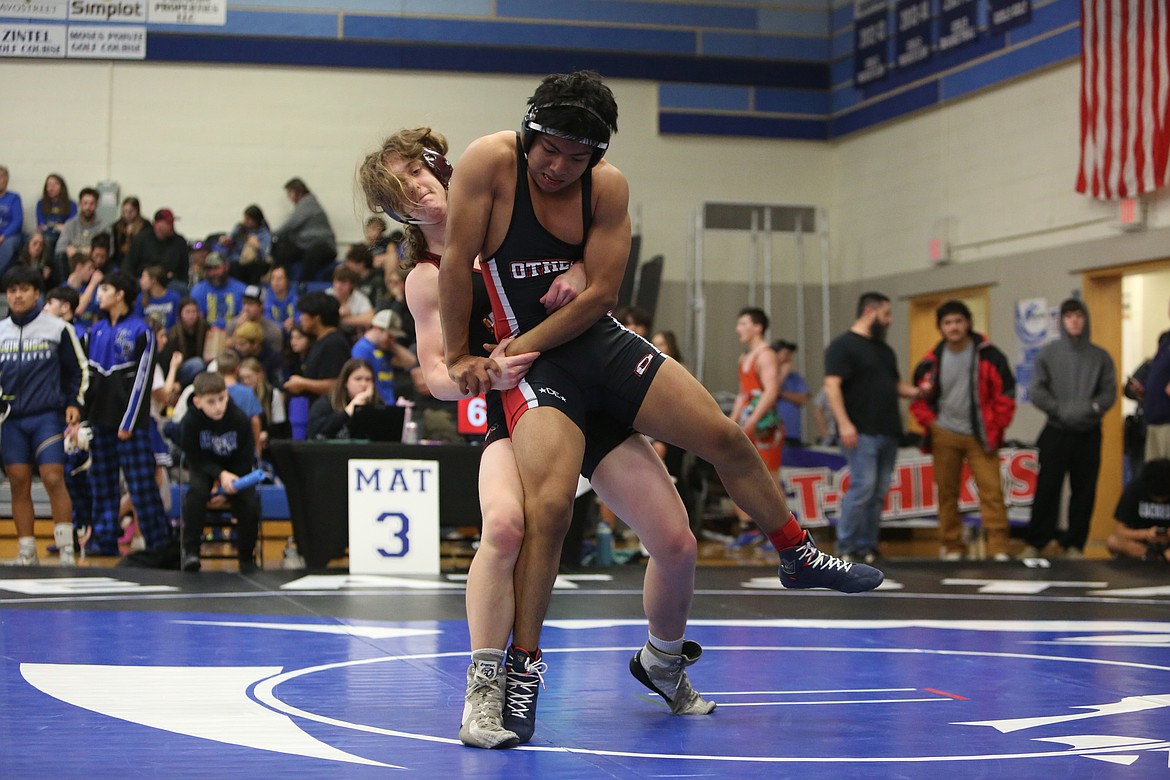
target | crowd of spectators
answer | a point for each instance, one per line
(276, 314)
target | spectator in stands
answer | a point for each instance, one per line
(32, 254)
(78, 232)
(53, 209)
(128, 225)
(253, 311)
(330, 414)
(248, 246)
(379, 347)
(394, 298)
(280, 302)
(793, 392)
(320, 317)
(370, 283)
(84, 282)
(227, 365)
(249, 342)
(217, 440)
(160, 245)
(297, 350)
(11, 222)
(356, 309)
(61, 302)
(188, 338)
(157, 300)
(273, 419)
(377, 240)
(121, 351)
(635, 319)
(45, 377)
(220, 297)
(100, 267)
(1141, 527)
(306, 237)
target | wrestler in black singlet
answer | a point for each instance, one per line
(607, 369)
(604, 433)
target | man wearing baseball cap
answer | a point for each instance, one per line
(160, 245)
(379, 345)
(219, 296)
(253, 311)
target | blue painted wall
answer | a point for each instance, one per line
(762, 68)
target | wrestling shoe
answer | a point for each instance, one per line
(666, 675)
(25, 558)
(525, 678)
(483, 708)
(804, 566)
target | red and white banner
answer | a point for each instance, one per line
(1125, 97)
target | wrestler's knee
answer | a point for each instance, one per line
(503, 530)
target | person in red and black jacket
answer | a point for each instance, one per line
(968, 400)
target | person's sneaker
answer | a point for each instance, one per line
(25, 558)
(483, 708)
(66, 556)
(1029, 551)
(950, 555)
(525, 678)
(666, 675)
(191, 562)
(1001, 557)
(1073, 554)
(804, 566)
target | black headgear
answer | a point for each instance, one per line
(439, 166)
(530, 126)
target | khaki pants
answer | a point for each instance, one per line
(950, 450)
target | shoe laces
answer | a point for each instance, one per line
(524, 684)
(484, 695)
(818, 559)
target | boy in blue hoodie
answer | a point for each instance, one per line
(44, 376)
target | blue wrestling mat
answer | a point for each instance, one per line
(167, 676)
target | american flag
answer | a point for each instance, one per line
(1125, 97)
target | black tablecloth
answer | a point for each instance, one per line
(315, 477)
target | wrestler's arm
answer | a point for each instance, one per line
(422, 297)
(607, 250)
(469, 210)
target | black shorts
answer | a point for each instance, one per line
(603, 434)
(607, 369)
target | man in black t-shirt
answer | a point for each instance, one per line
(1141, 527)
(863, 386)
(320, 316)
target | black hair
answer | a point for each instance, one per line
(254, 213)
(1071, 305)
(128, 286)
(577, 103)
(757, 315)
(297, 185)
(871, 300)
(64, 293)
(950, 307)
(19, 275)
(323, 307)
(88, 191)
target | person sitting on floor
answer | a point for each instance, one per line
(217, 440)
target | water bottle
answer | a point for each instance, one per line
(604, 539)
(410, 432)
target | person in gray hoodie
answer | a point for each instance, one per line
(1074, 383)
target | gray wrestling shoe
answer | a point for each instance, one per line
(666, 675)
(483, 708)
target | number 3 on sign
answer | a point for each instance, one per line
(397, 526)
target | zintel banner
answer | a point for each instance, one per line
(816, 479)
(393, 516)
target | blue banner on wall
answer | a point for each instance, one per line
(1002, 15)
(958, 23)
(913, 21)
(871, 33)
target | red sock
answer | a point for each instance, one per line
(788, 535)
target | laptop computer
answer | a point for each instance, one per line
(377, 423)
